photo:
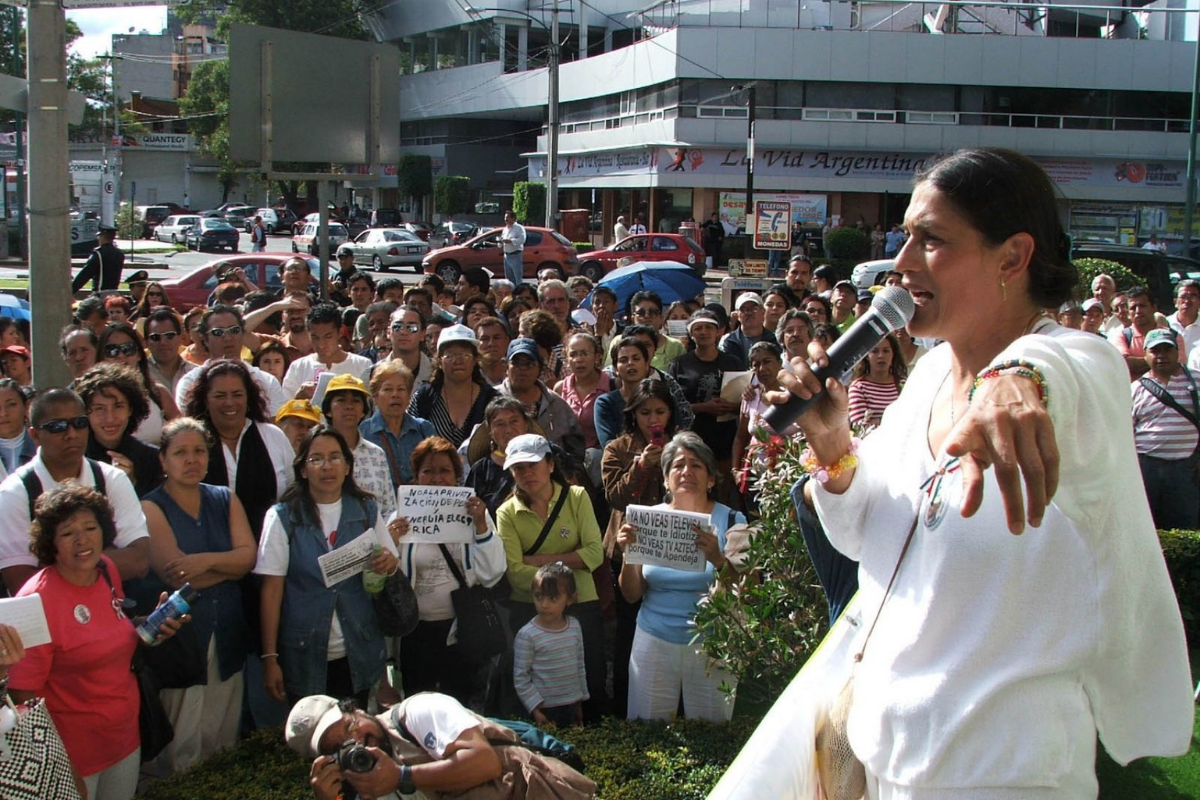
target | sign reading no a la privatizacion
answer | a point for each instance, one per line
(665, 538)
(436, 514)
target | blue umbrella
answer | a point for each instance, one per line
(670, 279)
(15, 307)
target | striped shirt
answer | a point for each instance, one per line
(868, 400)
(1160, 431)
(548, 665)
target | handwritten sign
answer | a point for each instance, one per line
(28, 617)
(665, 538)
(436, 514)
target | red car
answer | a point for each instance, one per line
(642, 247)
(544, 249)
(262, 269)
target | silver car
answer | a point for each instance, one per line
(173, 228)
(384, 248)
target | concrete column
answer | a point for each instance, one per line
(583, 29)
(433, 51)
(501, 30)
(522, 48)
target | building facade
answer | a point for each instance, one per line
(849, 99)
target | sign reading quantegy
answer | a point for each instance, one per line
(665, 538)
(156, 141)
(772, 225)
(436, 514)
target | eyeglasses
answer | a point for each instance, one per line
(162, 337)
(453, 358)
(232, 330)
(114, 350)
(643, 313)
(406, 327)
(56, 426)
(320, 461)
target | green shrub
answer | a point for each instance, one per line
(529, 202)
(451, 195)
(583, 247)
(1089, 268)
(129, 222)
(414, 175)
(1182, 552)
(628, 760)
(848, 244)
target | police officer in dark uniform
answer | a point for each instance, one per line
(104, 265)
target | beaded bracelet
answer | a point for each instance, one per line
(824, 474)
(1023, 369)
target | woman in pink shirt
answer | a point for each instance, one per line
(583, 384)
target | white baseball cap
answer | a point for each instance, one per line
(526, 448)
(456, 333)
(746, 297)
(308, 721)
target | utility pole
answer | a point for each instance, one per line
(750, 91)
(1189, 206)
(552, 125)
(19, 71)
(49, 222)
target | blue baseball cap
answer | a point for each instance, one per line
(524, 347)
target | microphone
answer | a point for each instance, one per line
(891, 308)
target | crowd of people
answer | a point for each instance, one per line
(234, 446)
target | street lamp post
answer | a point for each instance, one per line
(552, 125)
(750, 91)
(1189, 206)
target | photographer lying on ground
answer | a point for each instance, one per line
(460, 754)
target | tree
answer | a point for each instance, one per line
(414, 175)
(452, 195)
(529, 202)
(207, 103)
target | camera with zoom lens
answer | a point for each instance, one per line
(354, 757)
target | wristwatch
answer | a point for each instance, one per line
(406, 785)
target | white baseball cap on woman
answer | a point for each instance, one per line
(526, 448)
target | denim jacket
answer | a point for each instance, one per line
(308, 606)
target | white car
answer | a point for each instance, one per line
(869, 273)
(307, 240)
(384, 248)
(172, 228)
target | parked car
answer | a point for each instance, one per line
(869, 273)
(1159, 271)
(308, 240)
(274, 219)
(544, 249)
(386, 218)
(238, 215)
(643, 247)
(172, 228)
(262, 269)
(153, 216)
(384, 248)
(421, 229)
(449, 233)
(209, 234)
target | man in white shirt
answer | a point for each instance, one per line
(59, 426)
(223, 333)
(324, 330)
(1104, 289)
(163, 337)
(407, 331)
(1155, 244)
(1187, 309)
(512, 239)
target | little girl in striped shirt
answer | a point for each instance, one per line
(548, 669)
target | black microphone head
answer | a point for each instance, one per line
(895, 305)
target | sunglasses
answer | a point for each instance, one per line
(60, 425)
(407, 327)
(169, 336)
(114, 350)
(232, 330)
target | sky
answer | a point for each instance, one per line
(99, 24)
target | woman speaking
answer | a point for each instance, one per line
(996, 658)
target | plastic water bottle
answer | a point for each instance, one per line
(176, 606)
(373, 581)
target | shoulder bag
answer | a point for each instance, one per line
(33, 761)
(479, 625)
(1160, 393)
(153, 723)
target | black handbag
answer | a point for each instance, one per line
(479, 627)
(396, 606)
(153, 723)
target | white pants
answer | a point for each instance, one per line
(205, 718)
(659, 671)
(118, 782)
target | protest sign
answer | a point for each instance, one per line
(436, 514)
(665, 538)
(346, 562)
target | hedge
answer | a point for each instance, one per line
(681, 760)
(1182, 552)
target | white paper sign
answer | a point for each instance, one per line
(346, 562)
(28, 617)
(322, 376)
(677, 328)
(733, 384)
(436, 514)
(665, 538)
